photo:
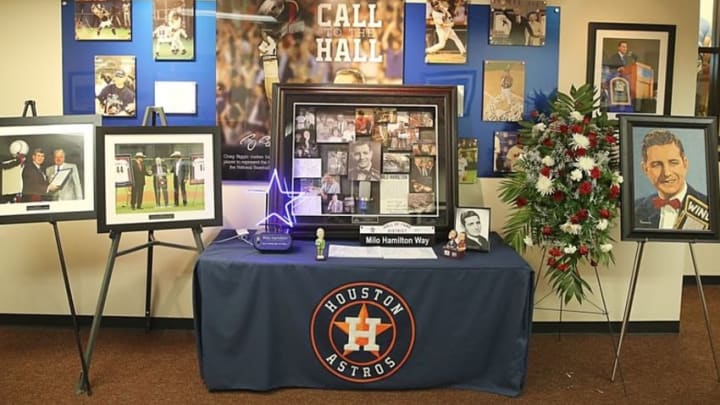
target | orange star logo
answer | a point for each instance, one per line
(363, 326)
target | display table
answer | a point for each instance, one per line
(265, 321)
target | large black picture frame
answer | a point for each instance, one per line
(401, 117)
(200, 206)
(647, 67)
(663, 171)
(25, 192)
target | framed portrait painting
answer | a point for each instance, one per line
(158, 178)
(47, 168)
(670, 187)
(473, 225)
(632, 66)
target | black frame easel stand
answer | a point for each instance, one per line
(83, 383)
(30, 107)
(631, 298)
(600, 311)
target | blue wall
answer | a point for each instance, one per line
(541, 68)
(78, 65)
(541, 71)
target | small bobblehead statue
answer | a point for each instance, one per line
(320, 244)
(452, 248)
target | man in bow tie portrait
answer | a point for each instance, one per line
(365, 161)
(675, 204)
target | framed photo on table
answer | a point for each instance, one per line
(473, 226)
(32, 153)
(631, 65)
(670, 187)
(160, 188)
(389, 150)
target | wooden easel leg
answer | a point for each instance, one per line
(701, 291)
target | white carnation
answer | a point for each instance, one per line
(539, 127)
(528, 240)
(617, 178)
(602, 224)
(570, 249)
(606, 247)
(544, 185)
(586, 163)
(576, 116)
(570, 228)
(576, 175)
(580, 141)
(548, 161)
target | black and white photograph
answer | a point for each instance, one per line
(517, 22)
(335, 126)
(48, 168)
(396, 162)
(160, 194)
(422, 174)
(364, 161)
(305, 144)
(475, 224)
(335, 159)
(670, 187)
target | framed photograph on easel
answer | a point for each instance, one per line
(48, 168)
(474, 226)
(670, 187)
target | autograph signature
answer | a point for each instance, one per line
(250, 141)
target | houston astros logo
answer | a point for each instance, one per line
(362, 332)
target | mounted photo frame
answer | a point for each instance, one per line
(670, 187)
(402, 169)
(103, 20)
(171, 181)
(48, 168)
(632, 66)
(473, 225)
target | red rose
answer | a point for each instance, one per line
(563, 129)
(558, 196)
(574, 219)
(545, 171)
(610, 139)
(563, 266)
(547, 230)
(521, 202)
(586, 120)
(548, 142)
(577, 129)
(604, 213)
(614, 191)
(580, 152)
(582, 214)
(583, 250)
(585, 188)
(534, 113)
(551, 262)
(592, 137)
(555, 251)
(595, 172)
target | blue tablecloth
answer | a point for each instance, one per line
(265, 321)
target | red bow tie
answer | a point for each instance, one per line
(661, 202)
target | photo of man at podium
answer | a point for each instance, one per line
(628, 83)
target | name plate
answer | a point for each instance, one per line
(397, 234)
(272, 241)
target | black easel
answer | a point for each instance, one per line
(631, 298)
(30, 105)
(83, 384)
(600, 311)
